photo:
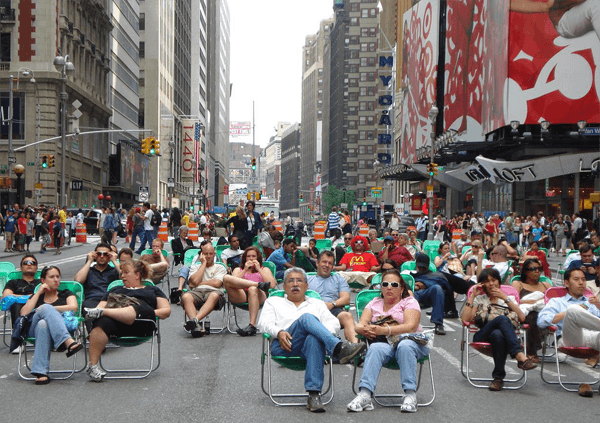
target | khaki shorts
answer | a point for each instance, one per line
(8, 236)
(201, 295)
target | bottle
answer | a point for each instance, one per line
(207, 325)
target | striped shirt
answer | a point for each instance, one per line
(333, 220)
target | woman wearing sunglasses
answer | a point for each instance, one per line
(532, 290)
(396, 303)
(47, 324)
(535, 252)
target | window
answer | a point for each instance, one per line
(354, 22)
(352, 111)
(352, 124)
(353, 96)
(364, 13)
(5, 47)
(354, 39)
(364, 47)
(354, 7)
(372, 32)
(364, 32)
(142, 23)
(362, 135)
(373, 12)
(142, 49)
(372, 46)
(353, 68)
(353, 82)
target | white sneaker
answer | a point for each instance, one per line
(18, 350)
(95, 372)
(360, 403)
(93, 313)
(409, 405)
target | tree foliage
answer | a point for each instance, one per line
(334, 196)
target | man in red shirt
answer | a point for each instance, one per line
(397, 253)
(359, 265)
(22, 230)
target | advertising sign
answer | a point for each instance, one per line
(240, 128)
(188, 150)
(419, 76)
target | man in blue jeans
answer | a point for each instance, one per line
(148, 234)
(429, 292)
(304, 326)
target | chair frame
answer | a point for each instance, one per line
(78, 335)
(575, 352)
(8, 331)
(392, 364)
(293, 363)
(469, 329)
(131, 341)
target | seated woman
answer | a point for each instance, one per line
(47, 324)
(250, 283)
(499, 331)
(414, 242)
(532, 291)
(396, 303)
(181, 244)
(451, 267)
(116, 315)
(469, 258)
(535, 252)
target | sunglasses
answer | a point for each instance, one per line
(29, 263)
(349, 239)
(359, 242)
(534, 269)
(102, 253)
(394, 234)
(392, 284)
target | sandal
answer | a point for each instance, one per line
(535, 359)
(42, 380)
(526, 365)
(74, 348)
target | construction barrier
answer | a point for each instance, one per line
(163, 232)
(319, 231)
(456, 234)
(278, 226)
(193, 235)
(364, 231)
(80, 233)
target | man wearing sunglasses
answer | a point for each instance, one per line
(360, 265)
(96, 274)
(23, 287)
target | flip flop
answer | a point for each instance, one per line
(74, 348)
(42, 380)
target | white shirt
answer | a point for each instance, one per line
(203, 220)
(229, 253)
(148, 222)
(394, 223)
(80, 218)
(501, 267)
(279, 313)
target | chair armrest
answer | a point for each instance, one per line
(266, 336)
(552, 328)
(525, 325)
(467, 324)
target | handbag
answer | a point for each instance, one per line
(115, 300)
(487, 313)
(390, 339)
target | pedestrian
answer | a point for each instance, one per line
(138, 227)
(22, 231)
(44, 233)
(56, 231)
(30, 229)
(39, 216)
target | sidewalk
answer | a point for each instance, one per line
(35, 246)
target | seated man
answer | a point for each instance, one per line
(359, 265)
(206, 235)
(303, 326)
(125, 254)
(284, 257)
(157, 261)
(577, 317)
(96, 274)
(22, 287)
(232, 255)
(588, 265)
(595, 238)
(342, 249)
(267, 241)
(206, 283)
(181, 244)
(497, 260)
(334, 290)
(397, 253)
(458, 244)
(432, 290)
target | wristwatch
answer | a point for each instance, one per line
(508, 300)
(334, 304)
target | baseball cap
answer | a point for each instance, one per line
(422, 260)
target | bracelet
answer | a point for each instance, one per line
(389, 330)
(468, 305)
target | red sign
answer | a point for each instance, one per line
(550, 193)
(225, 189)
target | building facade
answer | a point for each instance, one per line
(291, 187)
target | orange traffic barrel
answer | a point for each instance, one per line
(278, 226)
(163, 232)
(456, 234)
(80, 233)
(319, 232)
(193, 235)
(364, 231)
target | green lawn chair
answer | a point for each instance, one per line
(411, 265)
(323, 244)
(542, 279)
(165, 254)
(132, 341)
(219, 249)
(188, 258)
(410, 281)
(272, 267)
(292, 363)
(78, 335)
(362, 299)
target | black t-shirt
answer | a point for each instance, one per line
(60, 301)
(21, 286)
(147, 294)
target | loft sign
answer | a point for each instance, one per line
(385, 102)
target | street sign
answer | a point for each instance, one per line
(38, 192)
(376, 192)
(144, 193)
(12, 159)
(38, 185)
(252, 187)
(429, 187)
(30, 163)
(429, 194)
(170, 183)
(344, 205)
(77, 185)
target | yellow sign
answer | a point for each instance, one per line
(595, 197)
(429, 187)
(38, 185)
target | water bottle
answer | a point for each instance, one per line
(207, 325)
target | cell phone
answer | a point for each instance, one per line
(588, 264)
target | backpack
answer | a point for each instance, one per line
(156, 218)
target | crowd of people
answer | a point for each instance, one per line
(255, 257)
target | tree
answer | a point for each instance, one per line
(333, 196)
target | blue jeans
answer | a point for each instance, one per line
(146, 236)
(48, 328)
(310, 341)
(432, 297)
(501, 334)
(379, 353)
(136, 232)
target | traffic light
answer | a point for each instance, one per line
(253, 163)
(430, 169)
(44, 162)
(258, 195)
(435, 168)
(151, 145)
(156, 146)
(364, 201)
(301, 198)
(51, 160)
(145, 146)
(192, 207)
(249, 196)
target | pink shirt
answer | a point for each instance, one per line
(253, 277)
(396, 312)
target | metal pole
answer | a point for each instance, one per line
(63, 98)
(11, 154)
(432, 115)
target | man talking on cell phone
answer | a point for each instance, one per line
(589, 265)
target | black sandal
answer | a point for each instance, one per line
(74, 348)
(42, 380)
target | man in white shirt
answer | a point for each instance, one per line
(498, 260)
(232, 255)
(303, 326)
(100, 223)
(148, 234)
(206, 283)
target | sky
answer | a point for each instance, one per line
(266, 60)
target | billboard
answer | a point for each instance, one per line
(419, 76)
(554, 54)
(239, 128)
(189, 150)
(476, 67)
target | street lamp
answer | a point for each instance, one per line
(433, 113)
(62, 64)
(19, 171)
